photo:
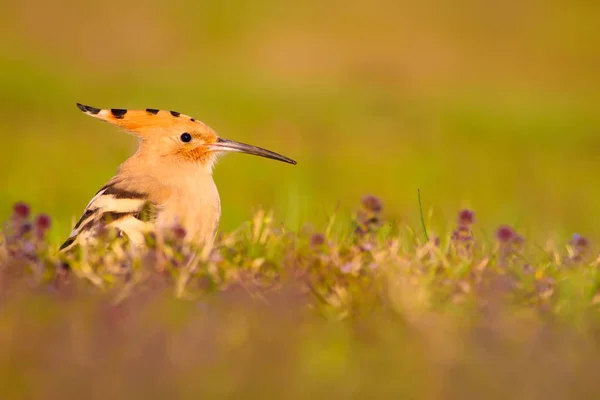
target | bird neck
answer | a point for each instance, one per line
(167, 169)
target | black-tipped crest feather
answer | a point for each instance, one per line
(118, 112)
(88, 109)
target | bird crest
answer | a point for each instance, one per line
(171, 133)
(146, 122)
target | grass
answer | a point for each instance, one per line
(372, 310)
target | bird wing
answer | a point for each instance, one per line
(116, 204)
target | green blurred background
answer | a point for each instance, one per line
(493, 105)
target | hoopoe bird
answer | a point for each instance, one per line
(167, 182)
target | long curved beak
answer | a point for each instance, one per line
(229, 145)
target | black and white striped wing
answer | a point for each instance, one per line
(130, 212)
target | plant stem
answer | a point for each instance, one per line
(422, 218)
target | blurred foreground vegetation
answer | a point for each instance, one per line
(371, 311)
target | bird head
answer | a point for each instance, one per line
(176, 137)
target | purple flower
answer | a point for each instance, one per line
(505, 234)
(372, 203)
(579, 241)
(26, 228)
(21, 210)
(42, 222)
(462, 234)
(317, 239)
(466, 218)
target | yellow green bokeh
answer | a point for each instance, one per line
(488, 105)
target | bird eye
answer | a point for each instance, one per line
(186, 137)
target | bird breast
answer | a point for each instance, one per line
(194, 204)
